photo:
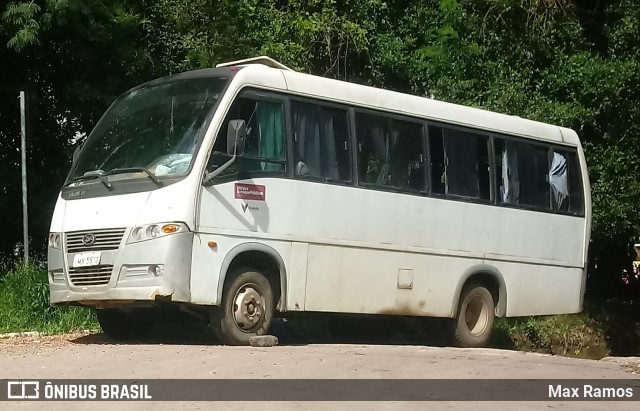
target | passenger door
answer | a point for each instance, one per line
(235, 209)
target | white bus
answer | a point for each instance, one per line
(251, 190)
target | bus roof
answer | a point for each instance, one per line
(391, 101)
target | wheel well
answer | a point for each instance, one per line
(261, 262)
(492, 284)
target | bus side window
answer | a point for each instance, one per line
(265, 142)
(391, 152)
(459, 163)
(407, 156)
(372, 149)
(576, 191)
(321, 146)
(565, 179)
(523, 173)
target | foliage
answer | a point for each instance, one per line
(606, 327)
(24, 305)
(567, 335)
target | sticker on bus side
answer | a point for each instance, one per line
(250, 192)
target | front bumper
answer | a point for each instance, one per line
(134, 272)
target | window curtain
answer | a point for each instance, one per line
(271, 134)
(307, 141)
(328, 146)
(510, 177)
(558, 181)
(315, 144)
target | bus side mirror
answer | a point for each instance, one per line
(236, 135)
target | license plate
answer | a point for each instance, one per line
(86, 259)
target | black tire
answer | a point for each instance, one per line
(125, 325)
(246, 309)
(476, 312)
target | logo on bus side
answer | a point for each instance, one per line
(246, 207)
(250, 192)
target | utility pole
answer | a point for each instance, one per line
(25, 216)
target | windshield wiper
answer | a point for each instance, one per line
(90, 175)
(149, 174)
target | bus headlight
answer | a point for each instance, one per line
(55, 240)
(151, 231)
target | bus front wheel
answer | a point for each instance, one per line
(246, 309)
(125, 325)
(476, 312)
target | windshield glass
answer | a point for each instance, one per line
(154, 129)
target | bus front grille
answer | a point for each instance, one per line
(94, 240)
(96, 275)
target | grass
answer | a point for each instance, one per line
(24, 304)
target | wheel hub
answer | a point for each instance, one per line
(476, 315)
(248, 307)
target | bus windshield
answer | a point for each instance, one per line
(150, 132)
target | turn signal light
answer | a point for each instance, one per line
(170, 228)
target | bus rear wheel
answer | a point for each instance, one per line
(125, 324)
(246, 309)
(476, 313)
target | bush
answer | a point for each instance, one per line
(24, 304)
(573, 335)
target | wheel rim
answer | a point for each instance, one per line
(248, 307)
(476, 315)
